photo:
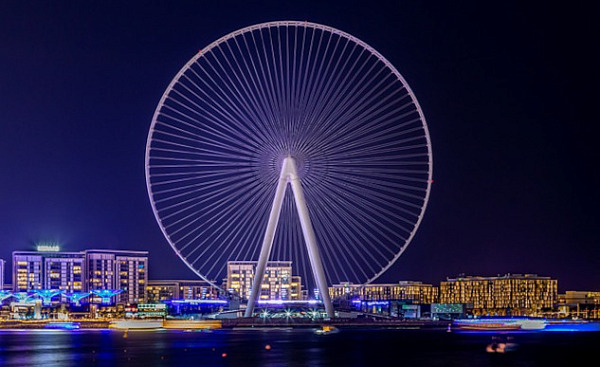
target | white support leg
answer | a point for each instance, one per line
(267, 243)
(311, 242)
(289, 175)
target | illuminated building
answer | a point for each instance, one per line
(511, 294)
(132, 276)
(84, 271)
(161, 290)
(64, 271)
(100, 266)
(164, 290)
(581, 304)
(27, 271)
(118, 269)
(416, 292)
(278, 282)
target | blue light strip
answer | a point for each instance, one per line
(282, 302)
(198, 301)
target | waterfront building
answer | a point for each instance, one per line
(164, 290)
(158, 291)
(581, 304)
(415, 292)
(118, 269)
(100, 266)
(64, 271)
(132, 276)
(278, 282)
(511, 294)
(48, 268)
(27, 271)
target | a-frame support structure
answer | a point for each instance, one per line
(289, 175)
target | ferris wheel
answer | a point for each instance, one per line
(289, 141)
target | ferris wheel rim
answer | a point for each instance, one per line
(276, 24)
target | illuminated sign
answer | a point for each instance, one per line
(48, 247)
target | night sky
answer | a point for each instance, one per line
(509, 92)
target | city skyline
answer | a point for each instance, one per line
(244, 270)
(508, 107)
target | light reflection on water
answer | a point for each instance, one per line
(286, 348)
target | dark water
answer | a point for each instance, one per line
(371, 348)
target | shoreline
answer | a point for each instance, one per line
(242, 323)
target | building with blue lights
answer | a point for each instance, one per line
(75, 273)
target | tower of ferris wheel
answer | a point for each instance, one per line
(289, 141)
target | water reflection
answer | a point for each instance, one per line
(285, 348)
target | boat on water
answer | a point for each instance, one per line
(498, 324)
(136, 324)
(327, 329)
(62, 325)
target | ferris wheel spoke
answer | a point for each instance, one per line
(257, 81)
(358, 152)
(213, 187)
(251, 90)
(348, 251)
(197, 214)
(266, 72)
(378, 215)
(222, 226)
(229, 239)
(226, 216)
(215, 108)
(309, 83)
(358, 203)
(326, 107)
(400, 188)
(334, 101)
(357, 126)
(331, 88)
(329, 234)
(371, 139)
(350, 243)
(229, 138)
(195, 138)
(235, 92)
(228, 110)
(333, 222)
(354, 99)
(183, 143)
(323, 90)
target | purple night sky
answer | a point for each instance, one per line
(507, 90)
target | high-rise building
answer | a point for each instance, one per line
(162, 290)
(514, 294)
(118, 269)
(132, 276)
(64, 271)
(100, 265)
(27, 271)
(278, 282)
(85, 271)
(416, 292)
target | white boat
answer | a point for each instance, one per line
(136, 324)
(327, 329)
